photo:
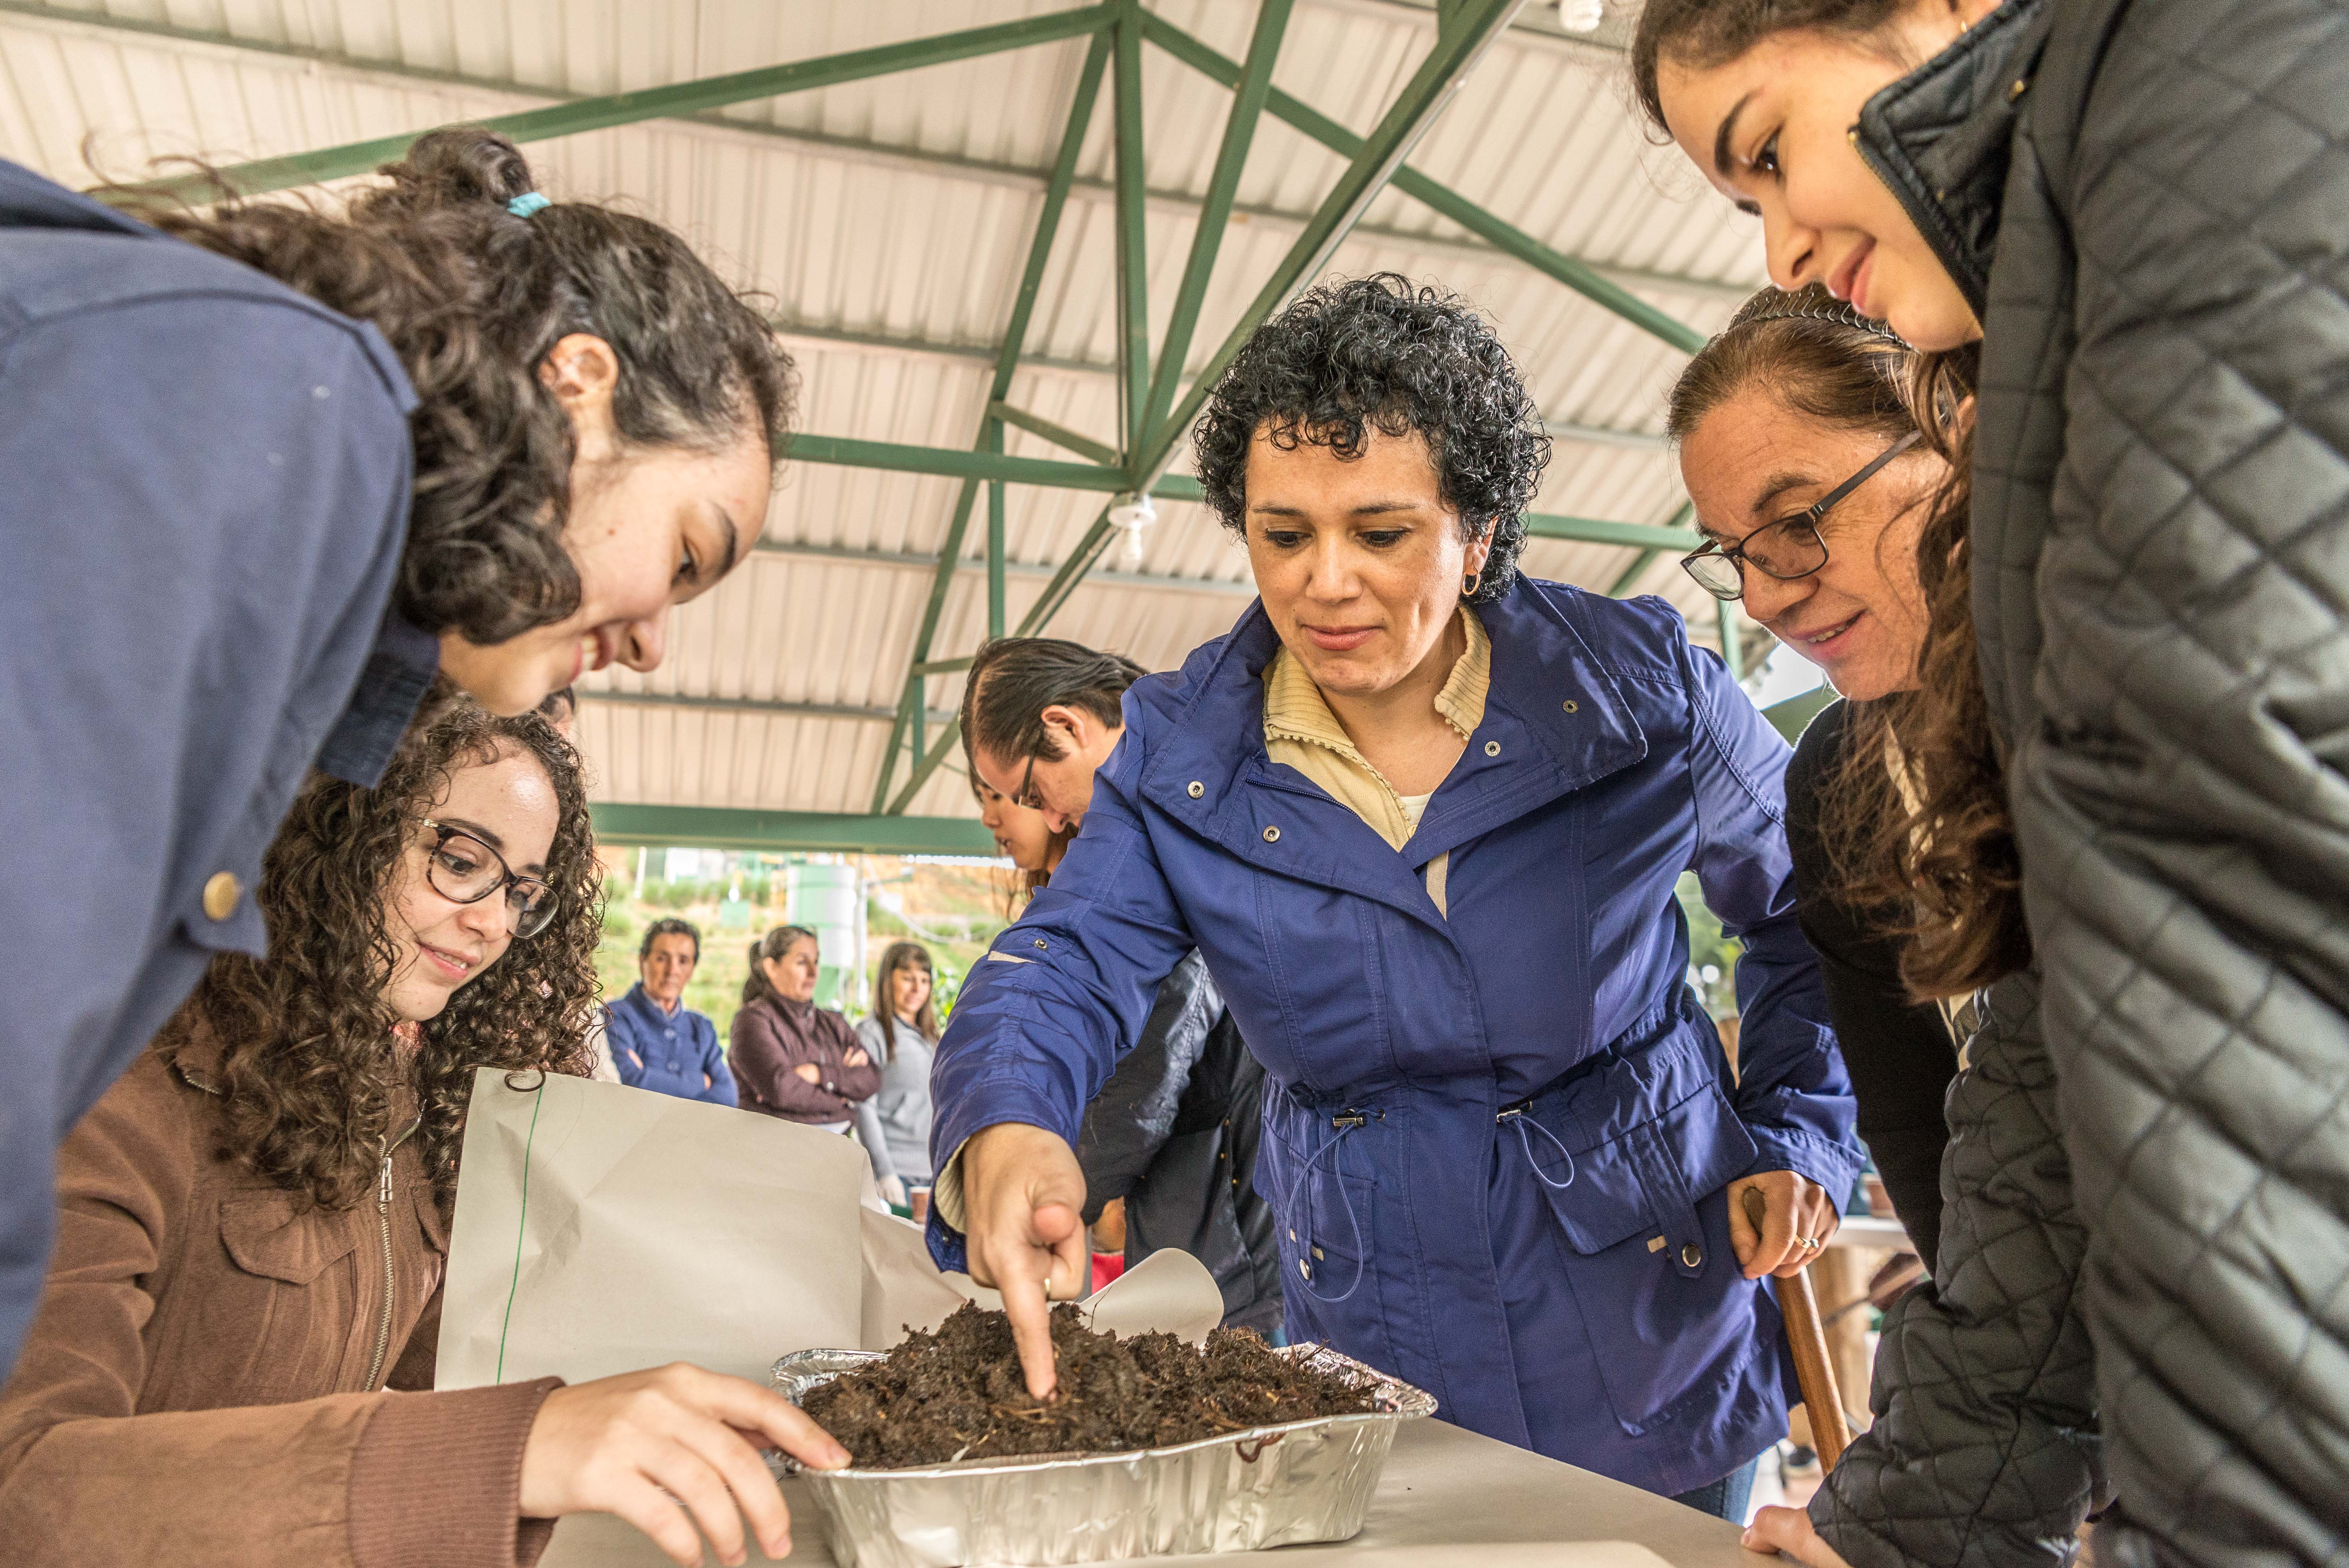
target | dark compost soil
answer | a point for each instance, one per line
(958, 1393)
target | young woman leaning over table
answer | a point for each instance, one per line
(1424, 818)
(266, 470)
(253, 1223)
(2119, 223)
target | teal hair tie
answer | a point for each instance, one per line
(529, 202)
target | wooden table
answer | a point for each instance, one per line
(1444, 1487)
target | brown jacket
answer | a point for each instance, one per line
(770, 1037)
(204, 1384)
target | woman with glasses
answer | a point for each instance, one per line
(253, 1223)
(1424, 820)
(1810, 484)
(1986, 1448)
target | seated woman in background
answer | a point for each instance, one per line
(1822, 496)
(792, 1058)
(253, 1224)
(899, 1037)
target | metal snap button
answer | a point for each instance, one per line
(1042, 947)
(1272, 835)
(1304, 1268)
(221, 893)
(1570, 706)
(1492, 749)
(1194, 788)
(1692, 1255)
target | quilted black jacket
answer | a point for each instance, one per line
(1174, 1133)
(2148, 200)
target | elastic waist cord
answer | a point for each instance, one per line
(1345, 1125)
(1518, 1116)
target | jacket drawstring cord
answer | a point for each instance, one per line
(1518, 1117)
(1344, 1124)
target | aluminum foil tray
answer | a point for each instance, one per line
(1268, 1486)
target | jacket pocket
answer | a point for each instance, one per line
(278, 1320)
(1664, 1305)
(266, 1235)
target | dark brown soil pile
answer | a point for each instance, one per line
(958, 1393)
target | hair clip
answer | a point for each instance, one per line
(529, 202)
(1812, 302)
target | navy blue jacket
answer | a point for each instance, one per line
(203, 494)
(1497, 1144)
(667, 1054)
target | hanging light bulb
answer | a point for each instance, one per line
(1580, 15)
(1132, 516)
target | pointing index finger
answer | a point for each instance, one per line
(1030, 1312)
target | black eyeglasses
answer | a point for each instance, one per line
(1028, 798)
(464, 869)
(1788, 549)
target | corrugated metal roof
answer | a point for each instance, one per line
(888, 220)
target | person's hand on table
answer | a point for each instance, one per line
(1788, 1530)
(641, 1444)
(1024, 1200)
(1798, 1216)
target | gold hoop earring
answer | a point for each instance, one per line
(1468, 585)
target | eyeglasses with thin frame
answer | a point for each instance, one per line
(1788, 549)
(463, 869)
(1027, 798)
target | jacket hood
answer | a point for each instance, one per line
(29, 202)
(1940, 137)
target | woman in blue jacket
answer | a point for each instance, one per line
(1425, 819)
(657, 1042)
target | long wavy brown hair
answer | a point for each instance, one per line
(1944, 845)
(473, 298)
(895, 956)
(307, 1061)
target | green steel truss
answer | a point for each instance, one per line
(1153, 420)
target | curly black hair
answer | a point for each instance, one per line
(1377, 353)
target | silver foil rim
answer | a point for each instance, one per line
(797, 1375)
(1285, 1485)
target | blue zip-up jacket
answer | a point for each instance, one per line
(203, 495)
(1497, 1145)
(669, 1054)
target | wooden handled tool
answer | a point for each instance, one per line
(1807, 1338)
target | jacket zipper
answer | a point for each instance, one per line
(383, 1231)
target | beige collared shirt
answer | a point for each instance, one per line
(1301, 731)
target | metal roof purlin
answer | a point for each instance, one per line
(267, 174)
(1457, 48)
(1015, 338)
(1577, 275)
(1255, 84)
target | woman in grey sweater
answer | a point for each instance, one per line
(899, 1035)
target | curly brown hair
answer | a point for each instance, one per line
(473, 298)
(307, 1057)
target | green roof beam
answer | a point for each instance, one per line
(728, 827)
(1574, 275)
(1596, 531)
(1248, 95)
(1457, 48)
(989, 441)
(1060, 435)
(1132, 236)
(698, 97)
